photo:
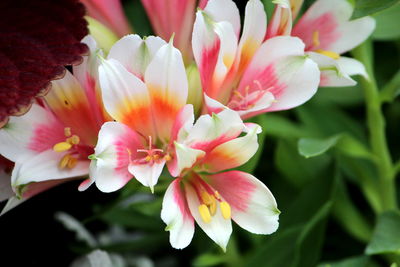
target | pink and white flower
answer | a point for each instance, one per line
(327, 32)
(246, 73)
(208, 194)
(144, 88)
(51, 143)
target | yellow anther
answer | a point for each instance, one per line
(67, 132)
(204, 213)
(62, 146)
(330, 54)
(206, 197)
(225, 209)
(167, 157)
(72, 162)
(213, 207)
(64, 161)
(74, 140)
(217, 195)
(148, 158)
(315, 38)
(156, 157)
(238, 94)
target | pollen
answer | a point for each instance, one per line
(330, 54)
(206, 197)
(205, 213)
(167, 157)
(315, 38)
(62, 146)
(74, 140)
(225, 209)
(64, 161)
(67, 131)
(213, 207)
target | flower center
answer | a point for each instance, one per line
(209, 199)
(247, 101)
(70, 144)
(153, 154)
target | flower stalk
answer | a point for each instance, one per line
(376, 127)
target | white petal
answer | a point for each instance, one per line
(224, 10)
(11, 203)
(31, 133)
(45, 166)
(185, 157)
(351, 66)
(175, 213)
(331, 73)
(147, 173)
(134, 53)
(253, 206)
(219, 229)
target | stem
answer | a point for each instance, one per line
(376, 127)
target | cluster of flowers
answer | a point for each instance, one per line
(139, 109)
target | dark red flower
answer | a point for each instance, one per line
(37, 39)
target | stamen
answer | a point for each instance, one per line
(204, 213)
(315, 38)
(206, 197)
(74, 140)
(225, 209)
(167, 157)
(67, 131)
(330, 54)
(213, 207)
(62, 146)
(72, 162)
(64, 161)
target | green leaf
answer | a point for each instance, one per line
(208, 259)
(360, 261)
(295, 168)
(281, 127)
(367, 7)
(311, 147)
(387, 24)
(386, 236)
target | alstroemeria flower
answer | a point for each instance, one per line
(204, 193)
(52, 141)
(173, 17)
(247, 74)
(144, 87)
(327, 31)
(110, 13)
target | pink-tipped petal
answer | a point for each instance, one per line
(34, 132)
(211, 131)
(116, 146)
(286, 72)
(326, 26)
(253, 206)
(125, 97)
(212, 105)
(233, 153)
(176, 215)
(134, 53)
(167, 83)
(218, 229)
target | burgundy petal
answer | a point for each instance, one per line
(37, 39)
